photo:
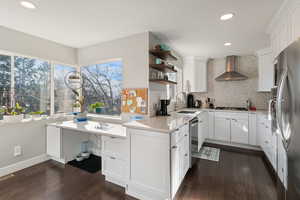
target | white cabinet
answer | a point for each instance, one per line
(265, 70)
(253, 129)
(115, 159)
(267, 139)
(239, 131)
(282, 162)
(222, 127)
(211, 124)
(54, 142)
(202, 128)
(180, 158)
(195, 75)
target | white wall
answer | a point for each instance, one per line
(133, 51)
(21, 43)
(31, 136)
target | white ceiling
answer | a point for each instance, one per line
(192, 27)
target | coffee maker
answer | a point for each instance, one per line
(164, 107)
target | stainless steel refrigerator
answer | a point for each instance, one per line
(287, 116)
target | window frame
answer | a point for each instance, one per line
(51, 63)
(81, 65)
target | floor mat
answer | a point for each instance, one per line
(91, 165)
(207, 153)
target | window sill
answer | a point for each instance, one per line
(111, 118)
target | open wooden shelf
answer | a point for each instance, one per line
(163, 67)
(164, 55)
(162, 81)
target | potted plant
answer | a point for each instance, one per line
(97, 107)
(12, 114)
(2, 111)
(76, 107)
(36, 114)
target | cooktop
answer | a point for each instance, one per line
(232, 108)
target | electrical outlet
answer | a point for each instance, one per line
(17, 151)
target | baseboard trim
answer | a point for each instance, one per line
(234, 147)
(23, 164)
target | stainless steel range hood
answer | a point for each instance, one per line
(231, 74)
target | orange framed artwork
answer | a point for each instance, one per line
(135, 100)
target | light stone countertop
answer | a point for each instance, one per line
(112, 129)
(163, 124)
(168, 124)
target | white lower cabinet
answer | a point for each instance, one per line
(267, 139)
(202, 128)
(158, 163)
(54, 142)
(115, 159)
(282, 162)
(239, 131)
(222, 127)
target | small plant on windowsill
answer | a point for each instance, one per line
(37, 114)
(2, 112)
(13, 114)
(97, 107)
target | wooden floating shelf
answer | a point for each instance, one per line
(164, 55)
(162, 81)
(163, 67)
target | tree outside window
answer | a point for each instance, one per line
(32, 84)
(102, 85)
(5, 80)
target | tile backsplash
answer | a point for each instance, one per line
(235, 93)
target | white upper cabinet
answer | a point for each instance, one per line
(195, 75)
(284, 28)
(265, 70)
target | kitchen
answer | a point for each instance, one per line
(197, 109)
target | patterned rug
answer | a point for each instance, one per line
(207, 153)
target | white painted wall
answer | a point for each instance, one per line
(31, 136)
(133, 51)
(21, 43)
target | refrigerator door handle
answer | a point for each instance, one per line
(279, 102)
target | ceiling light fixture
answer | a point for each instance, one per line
(226, 16)
(227, 44)
(28, 5)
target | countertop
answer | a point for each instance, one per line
(167, 124)
(113, 130)
(163, 124)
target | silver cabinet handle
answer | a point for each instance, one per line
(174, 147)
(186, 155)
(234, 120)
(112, 137)
(185, 135)
(113, 158)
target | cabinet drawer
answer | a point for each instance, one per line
(179, 134)
(115, 147)
(114, 167)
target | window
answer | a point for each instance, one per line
(32, 84)
(5, 80)
(102, 84)
(63, 96)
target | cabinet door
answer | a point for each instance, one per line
(282, 162)
(114, 168)
(265, 71)
(252, 129)
(239, 131)
(222, 129)
(211, 124)
(200, 133)
(54, 142)
(175, 168)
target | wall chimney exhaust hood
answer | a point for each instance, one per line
(231, 74)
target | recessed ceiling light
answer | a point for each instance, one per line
(227, 44)
(28, 4)
(226, 16)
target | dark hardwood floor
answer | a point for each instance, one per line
(236, 177)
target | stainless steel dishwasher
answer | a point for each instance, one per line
(193, 132)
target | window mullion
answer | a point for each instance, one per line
(12, 82)
(52, 88)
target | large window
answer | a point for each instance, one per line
(5, 80)
(32, 84)
(102, 84)
(63, 96)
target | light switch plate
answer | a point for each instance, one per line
(17, 151)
